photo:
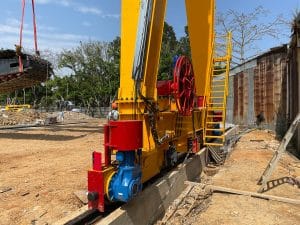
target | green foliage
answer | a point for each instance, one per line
(95, 72)
(170, 49)
(94, 77)
(184, 44)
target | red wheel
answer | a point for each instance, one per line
(184, 85)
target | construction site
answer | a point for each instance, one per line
(215, 143)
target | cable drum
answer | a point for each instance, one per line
(184, 85)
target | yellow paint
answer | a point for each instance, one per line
(153, 51)
(217, 91)
(17, 107)
(129, 24)
(200, 17)
(168, 121)
(108, 174)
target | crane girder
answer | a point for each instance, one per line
(200, 19)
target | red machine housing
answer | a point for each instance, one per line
(164, 87)
(96, 184)
(123, 135)
(126, 135)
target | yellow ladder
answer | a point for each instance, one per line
(217, 91)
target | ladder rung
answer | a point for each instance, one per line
(213, 111)
(213, 122)
(220, 44)
(214, 116)
(217, 91)
(221, 85)
(216, 97)
(213, 144)
(218, 137)
(215, 108)
(213, 129)
(221, 59)
(216, 103)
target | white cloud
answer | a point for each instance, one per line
(65, 3)
(43, 1)
(13, 22)
(64, 37)
(60, 2)
(114, 16)
(46, 28)
(48, 39)
(80, 8)
(86, 24)
(8, 29)
(88, 10)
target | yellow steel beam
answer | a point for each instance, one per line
(200, 16)
(129, 23)
(154, 46)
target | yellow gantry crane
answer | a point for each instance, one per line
(158, 121)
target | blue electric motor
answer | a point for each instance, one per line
(126, 183)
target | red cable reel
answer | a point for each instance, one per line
(184, 85)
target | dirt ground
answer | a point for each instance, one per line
(40, 168)
(241, 171)
(31, 116)
(23, 117)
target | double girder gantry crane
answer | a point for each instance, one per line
(157, 120)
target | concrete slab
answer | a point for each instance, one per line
(231, 137)
(152, 203)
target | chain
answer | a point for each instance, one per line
(153, 110)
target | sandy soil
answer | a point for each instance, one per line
(43, 167)
(23, 117)
(31, 116)
(242, 171)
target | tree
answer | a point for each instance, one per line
(184, 44)
(168, 52)
(114, 53)
(95, 72)
(247, 29)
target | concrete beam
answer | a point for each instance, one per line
(231, 137)
(153, 202)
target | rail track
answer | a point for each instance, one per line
(92, 216)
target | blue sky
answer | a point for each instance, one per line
(63, 23)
